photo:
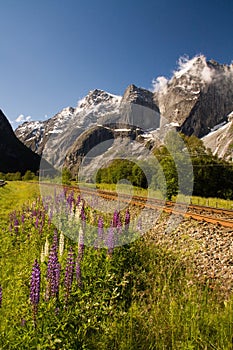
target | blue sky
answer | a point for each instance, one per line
(52, 52)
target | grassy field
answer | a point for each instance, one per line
(139, 296)
(14, 195)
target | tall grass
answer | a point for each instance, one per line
(14, 195)
(142, 296)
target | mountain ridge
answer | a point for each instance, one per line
(14, 155)
(198, 97)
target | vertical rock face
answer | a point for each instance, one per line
(93, 142)
(198, 96)
(220, 139)
(139, 109)
(14, 155)
(54, 137)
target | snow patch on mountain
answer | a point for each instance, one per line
(220, 139)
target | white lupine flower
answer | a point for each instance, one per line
(61, 244)
(46, 247)
(42, 255)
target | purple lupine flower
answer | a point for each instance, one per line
(78, 200)
(22, 218)
(55, 238)
(16, 225)
(115, 218)
(119, 224)
(70, 200)
(100, 231)
(53, 271)
(78, 273)
(35, 289)
(110, 240)
(69, 273)
(0, 296)
(50, 215)
(127, 219)
(37, 222)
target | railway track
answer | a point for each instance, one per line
(212, 215)
(201, 213)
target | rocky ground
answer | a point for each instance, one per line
(207, 248)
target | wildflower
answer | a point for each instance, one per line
(61, 244)
(53, 272)
(37, 222)
(81, 244)
(78, 200)
(83, 217)
(70, 200)
(42, 255)
(69, 273)
(110, 240)
(78, 273)
(100, 231)
(119, 224)
(115, 218)
(46, 247)
(35, 289)
(127, 219)
(16, 225)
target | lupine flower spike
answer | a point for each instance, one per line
(110, 240)
(35, 289)
(53, 271)
(127, 219)
(100, 231)
(61, 243)
(81, 244)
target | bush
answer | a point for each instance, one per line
(29, 175)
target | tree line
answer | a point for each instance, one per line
(181, 165)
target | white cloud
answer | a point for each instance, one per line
(196, 66)
(159, 84)
(21, 118)
(207, 74)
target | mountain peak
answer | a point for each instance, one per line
(140, 96)
(96, 97)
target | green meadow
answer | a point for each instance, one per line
(137, 296)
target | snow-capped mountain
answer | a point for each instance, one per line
(52, 138)
(220, 139)
(96, 104)
(197, 97)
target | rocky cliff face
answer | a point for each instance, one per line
(220, 139)
(58, 138)
(198, 96)
(14, 155)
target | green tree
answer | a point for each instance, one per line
(66, 176)
(28, 176)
